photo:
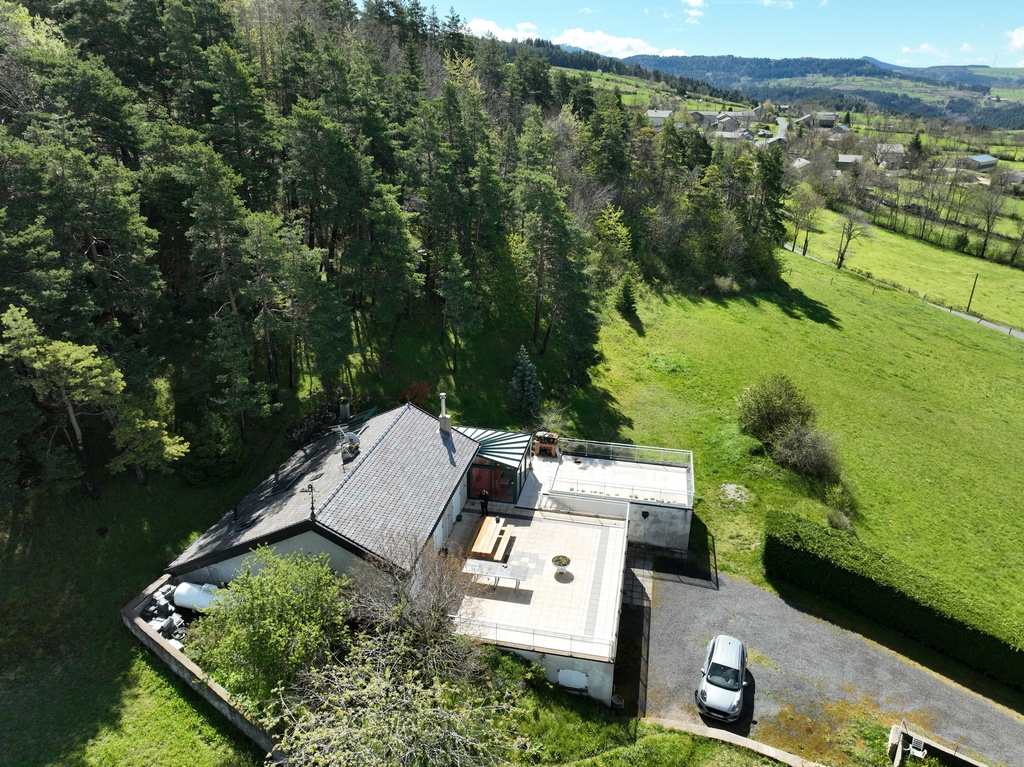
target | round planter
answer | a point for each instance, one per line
(561, 563)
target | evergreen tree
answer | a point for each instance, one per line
(64, 377)
(525, 390)
(240, 128)
(625, 300)
(461, 310)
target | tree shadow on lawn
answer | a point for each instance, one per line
(792, 301)
(65, 572)
(795, 304)
(595, 415)
(820, 607)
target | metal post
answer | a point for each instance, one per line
(972, 293)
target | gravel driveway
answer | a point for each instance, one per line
(804, 673)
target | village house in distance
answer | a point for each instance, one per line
(406, 475)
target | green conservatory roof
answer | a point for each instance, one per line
(504, 447)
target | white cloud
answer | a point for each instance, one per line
(672, 52)
(823, 2)
(667, 15)
(483, 27)
(607, 45)
(694, 3)
(585, 10)
(694, 16)
(1016, 39)
(777, 3)
(966, 48)
(927, 48)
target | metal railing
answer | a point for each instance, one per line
(956, 749)
(616, 451)
(537, 640)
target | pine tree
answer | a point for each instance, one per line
(525, 390)
(625, 301)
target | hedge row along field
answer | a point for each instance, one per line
(855, 575)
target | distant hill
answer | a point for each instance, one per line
(578, 58)
(945, 92)
(881, 64)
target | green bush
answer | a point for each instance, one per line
(216, 453)
(806, 450)
(865, 580)
(770, 405)
(280, 616)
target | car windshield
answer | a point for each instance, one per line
(723, 676)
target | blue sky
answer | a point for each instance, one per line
(915, 33)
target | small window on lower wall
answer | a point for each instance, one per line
(572, 680)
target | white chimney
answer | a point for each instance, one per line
(445, 422)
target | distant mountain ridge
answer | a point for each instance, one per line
(950, 92)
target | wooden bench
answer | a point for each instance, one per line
(504, 539)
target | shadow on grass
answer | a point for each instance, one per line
(69, 669)
(820, 607)
(797, 305)
(596, 414)
(636, 323)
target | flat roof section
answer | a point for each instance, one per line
(615, 479)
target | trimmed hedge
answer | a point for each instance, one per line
(865, 580)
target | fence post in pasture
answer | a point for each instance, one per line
(972, 293)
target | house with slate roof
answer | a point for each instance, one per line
(414, 480)
(407, 482)
(657, 117)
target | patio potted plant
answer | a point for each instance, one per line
(561, 563)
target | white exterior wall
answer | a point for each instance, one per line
(597, 505)
(600, 674)
(342, 560)
(665, 526)
(447, 521)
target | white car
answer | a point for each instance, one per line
(722, 679)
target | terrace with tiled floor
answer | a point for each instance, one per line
(573, 614)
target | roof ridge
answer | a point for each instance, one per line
(331, 496)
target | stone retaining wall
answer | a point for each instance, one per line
(185, 669)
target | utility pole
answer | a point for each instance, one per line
(972, 293)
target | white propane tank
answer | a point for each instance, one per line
(193, 596)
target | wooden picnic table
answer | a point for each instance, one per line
(487, 537)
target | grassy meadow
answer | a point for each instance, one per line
(936, 274)
(924, 406)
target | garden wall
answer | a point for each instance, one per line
(184, 668)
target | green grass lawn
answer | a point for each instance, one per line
(940, 275)
(925, 408)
